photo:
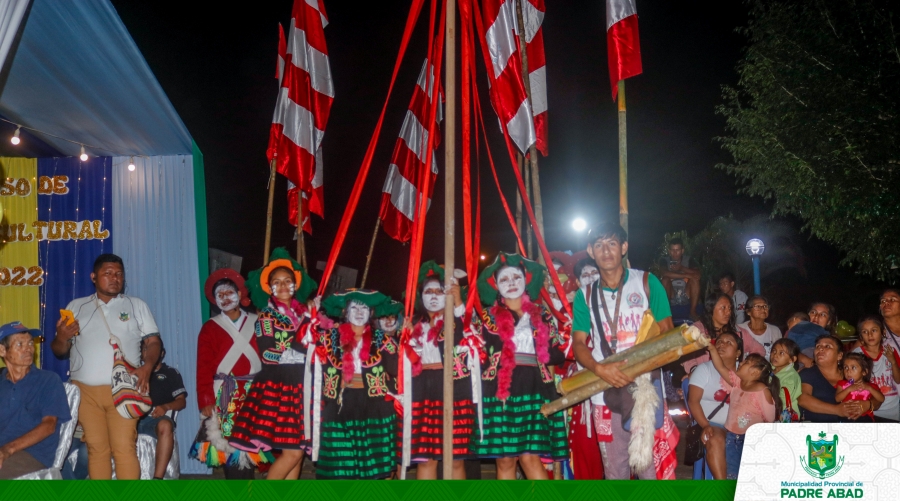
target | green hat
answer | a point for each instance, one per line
(258, 280)
(388, 308)
(335, 304)
(429, 270)
(534, 277)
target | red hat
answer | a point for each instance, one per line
(231, 275)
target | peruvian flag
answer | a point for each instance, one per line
(622, 42)
(304, 102)
(526, 121)
(403, 187)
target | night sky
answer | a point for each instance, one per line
(217, 66)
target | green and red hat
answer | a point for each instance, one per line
(535, 273)
(258, 280)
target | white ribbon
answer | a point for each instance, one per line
(240, 345)
(317, 409)
(407, 413)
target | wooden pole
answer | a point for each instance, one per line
(362, 285)
(449, 228)
(623, 160)
(269, 212)
(519, 201)
(532, 176)
(529, 231)
(301, 247)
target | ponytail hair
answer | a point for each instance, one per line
(767, 377)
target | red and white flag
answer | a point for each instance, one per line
(526, 121)
(304, 101)
(622, 42)
(403, 186)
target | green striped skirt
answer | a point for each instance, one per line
(359, 438)
(517, 426)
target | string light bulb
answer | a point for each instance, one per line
(15, 138)
(83, 155)
(131, 165)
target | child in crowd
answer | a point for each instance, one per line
(856, 385)
(795, 319)
(784, 361)
(885, 367)
(754, 390)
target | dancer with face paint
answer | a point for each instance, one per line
(423, 397)
(271, 417)
(357, 367)
(227, 360)
(390, 319)
(520, 340)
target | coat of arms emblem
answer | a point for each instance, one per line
(822, 461)
(124, 316)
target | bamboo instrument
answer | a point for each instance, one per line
(641, 358)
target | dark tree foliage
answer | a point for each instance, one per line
(813, 123)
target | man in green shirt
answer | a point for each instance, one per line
(621, 296)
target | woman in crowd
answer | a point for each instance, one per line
(521, 339)
(227, 360)
(719, 319)
(708, 400)
(823, 315)
(359, 430)
(763, 333)
(424, 384)
(390, 320)
(890, 311)
(818, 382)
(271, 417)
(885, 366)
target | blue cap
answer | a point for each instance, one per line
(16, 327)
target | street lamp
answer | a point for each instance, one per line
(755, 248)
(579, 224)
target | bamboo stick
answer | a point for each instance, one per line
(449, 228)
(301, 247)
(675, 338)
(268, 245)
(623, 159)
(634, 367)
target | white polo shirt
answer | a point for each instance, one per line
(91, 356)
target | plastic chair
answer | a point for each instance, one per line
(701, 469)
(66, 432)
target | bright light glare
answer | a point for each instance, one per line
(15, 138)
(755, 247)
(131, 167)
(83, 155)
(483, 257)
(579, 224)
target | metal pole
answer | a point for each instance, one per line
(623, 160)
(449, 229)
(756, 284)
(532, 177)
(362, 285)
(269, 212)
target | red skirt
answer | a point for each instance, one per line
(272, 414)
(427, 431)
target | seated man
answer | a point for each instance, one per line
(681, 278)
(33, 406)
(167, 393)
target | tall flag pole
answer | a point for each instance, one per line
(449, 227)
(624, 52)
(306, 93)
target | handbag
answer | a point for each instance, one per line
(129, 402)
(694, 449)
(788, 414)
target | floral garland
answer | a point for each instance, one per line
(430, 338)
(348, 338)
(506, 328)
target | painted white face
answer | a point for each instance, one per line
(358, 314)
(511, 283)
(554, 298)
(433, 296)
(388, 324)
(589, 275)
(227, 297)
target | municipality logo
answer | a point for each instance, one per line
(822, 460)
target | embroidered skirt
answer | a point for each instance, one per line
(272, 414)
(517, 427)
(358, 437)
(211, 446)
(427, 433)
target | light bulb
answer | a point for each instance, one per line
(83, 155)
(131, 165)
(579, 224)
(15, 138)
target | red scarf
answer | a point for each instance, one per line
(348, 342)
(431, 337)
(506, 329)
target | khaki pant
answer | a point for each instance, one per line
(107, 434)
